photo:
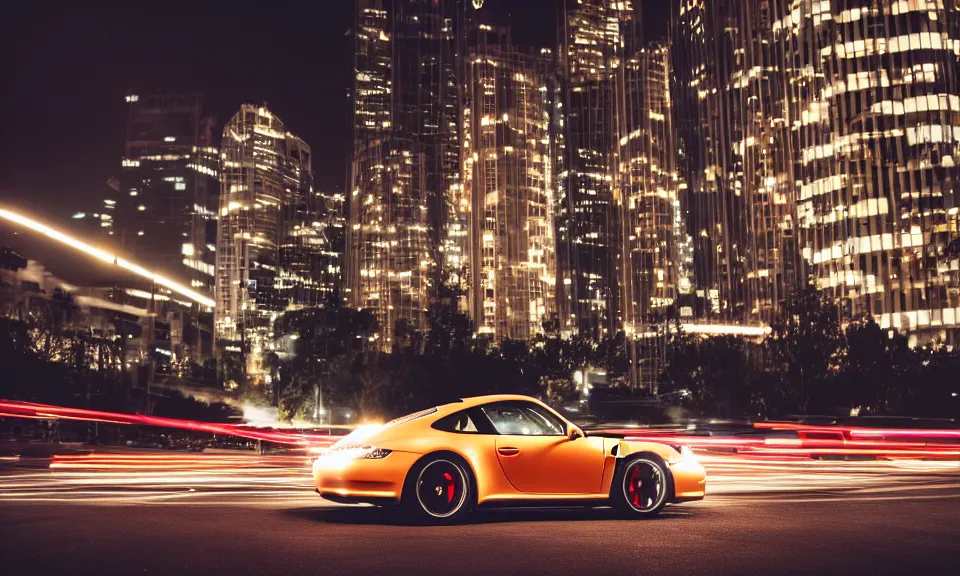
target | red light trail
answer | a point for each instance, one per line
(881, 443)
(43, 411)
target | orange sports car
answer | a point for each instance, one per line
(439, 464)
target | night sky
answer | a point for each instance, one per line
(66, 67)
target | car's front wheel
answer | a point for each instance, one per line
(641, 486)
(438, 490)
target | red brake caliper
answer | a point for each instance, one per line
(450, 486)
(634, 485)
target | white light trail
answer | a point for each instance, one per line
(104, 256)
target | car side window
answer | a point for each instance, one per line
(459, 422)
(523, 419)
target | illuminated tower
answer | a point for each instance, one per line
(389, 237)
(595, 38)
(874, 106)
(162, 210)
(167, 186)
(265, 178)
(733, 127)
(652, 232)
(507, 172)
(408, 224)
(311, 249)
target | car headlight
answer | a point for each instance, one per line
(358, 453)
(684, 455)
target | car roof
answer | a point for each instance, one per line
(478, 400)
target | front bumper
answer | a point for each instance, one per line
(363, 480)
(689, 481)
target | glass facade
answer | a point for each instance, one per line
(650, 186)
(264, 256)
(507, 174)
(389, 240)
(595, 37)
(164, 204)
(874, 108)
(162, 209)
(406, 117)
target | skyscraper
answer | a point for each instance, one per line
(595, 38)
(388, 238)
(266, 197)
(507, 174)
(736, 158)
(874, 102)
(163, 207)
(650, 187)
(165, 198)
(404, 212)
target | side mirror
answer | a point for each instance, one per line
(574, 433)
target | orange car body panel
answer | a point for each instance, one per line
(506, 467)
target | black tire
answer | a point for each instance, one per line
(642, 486)
(439, 489)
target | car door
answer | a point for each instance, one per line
(536, 455)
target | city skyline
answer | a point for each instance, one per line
(149, 47)
(606, 184)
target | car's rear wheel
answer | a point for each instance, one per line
(438, 490)
(641, 486)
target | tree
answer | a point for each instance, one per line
(710, 375)
(878, 368)
(332, 345)
(936, 390)
(805, 347)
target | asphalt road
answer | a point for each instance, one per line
(899, 533)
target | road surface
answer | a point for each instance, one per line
(919, 536)
(208, 514)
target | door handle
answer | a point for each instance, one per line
(508, 451)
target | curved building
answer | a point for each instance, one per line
(264, 172)
(875, 122)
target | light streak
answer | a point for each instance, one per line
(246, 479)
(105, 256)
(726, 330)
(855, 463)
(30, 410)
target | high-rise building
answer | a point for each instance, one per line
(312, 249)
(167, 186)
(595, 37)
(651, 187)
(312, 226)
(372, 81)
(507, 175)
(404, 227)
(425, 102)
(162, 207)
(732, 121)
(388, 239)
(874, 122)
(267, 242)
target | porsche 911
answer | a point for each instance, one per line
(438, 465)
